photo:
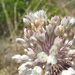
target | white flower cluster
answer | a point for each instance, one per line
(49, 45)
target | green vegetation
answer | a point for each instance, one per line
(12, 12)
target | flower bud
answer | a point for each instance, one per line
(57, 31)
(22, 69)
(30, 49)
(41, 15)
(72, 22)
(65, 21)
(23, 58)
(33, 40)
(30, 17)
(28, 64)
(20, 40)
(31, 54)
(58, 42)
(22, 66)
(51, 60)
(27, 32)
(61, 28)
(71, 71)
(49, 29)
(47, 73)
(71, 52)
(70, 43)
(65, 35)
(25, 45)
(16, 57)
(53, 50)
(37, 22)
(29, 71)
(41, 37)
(26, 22)
(38, 48)
(37, 71)
(55, 20)
(64, 72)
(33, 26)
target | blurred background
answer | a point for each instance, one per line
(11, 25)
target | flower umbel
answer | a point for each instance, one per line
(49, 45)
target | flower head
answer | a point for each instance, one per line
(50, 47)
